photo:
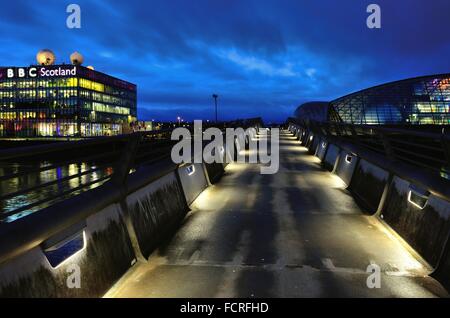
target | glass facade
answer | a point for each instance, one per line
(64, 100)
(422, 100)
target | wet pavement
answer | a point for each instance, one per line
(297, 233)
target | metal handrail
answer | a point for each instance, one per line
(405, 162)
(30, 151)
(49, 199)
(28, 232)
(20, 154)
(53, 182)
(148, 147)
(57, 165)
(437, 141)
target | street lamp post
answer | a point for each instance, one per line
(215, 96)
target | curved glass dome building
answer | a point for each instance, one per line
(420, 100)
(316, 111)
(415, 101)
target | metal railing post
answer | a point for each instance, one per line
(124, 164)
(388, 150)
(119, 179)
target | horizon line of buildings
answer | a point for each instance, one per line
(48, 100)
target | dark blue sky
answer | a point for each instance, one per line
(262, 57)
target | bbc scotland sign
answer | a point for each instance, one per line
(39, 71)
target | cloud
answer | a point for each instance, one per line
(252, 63)
(261, 57)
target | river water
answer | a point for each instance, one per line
(32, 179)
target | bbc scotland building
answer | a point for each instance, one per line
(64, 100)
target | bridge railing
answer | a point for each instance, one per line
(399, 174)
(426, 147)
(107, 229)
(42, 175)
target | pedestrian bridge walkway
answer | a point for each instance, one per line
(297, 233)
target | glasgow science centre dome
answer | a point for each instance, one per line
(422, 101)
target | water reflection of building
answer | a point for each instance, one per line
(421, 100)
(38, 199)
(64, 100)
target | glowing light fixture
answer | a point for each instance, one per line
(56, 255)
(348, 159)
(445, 172)
(190, 170)
(418, 197)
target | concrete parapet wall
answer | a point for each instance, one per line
(214, 171)
(106, 256)
(346, 166)
(303, 137)
(313, 144)
(425, 229)
(442, 272)
(413, 203)
(155, 209)
(368, 184)
(193, 180)
(331, 157)
(322, 149)
(104, 245)
(308, 139)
